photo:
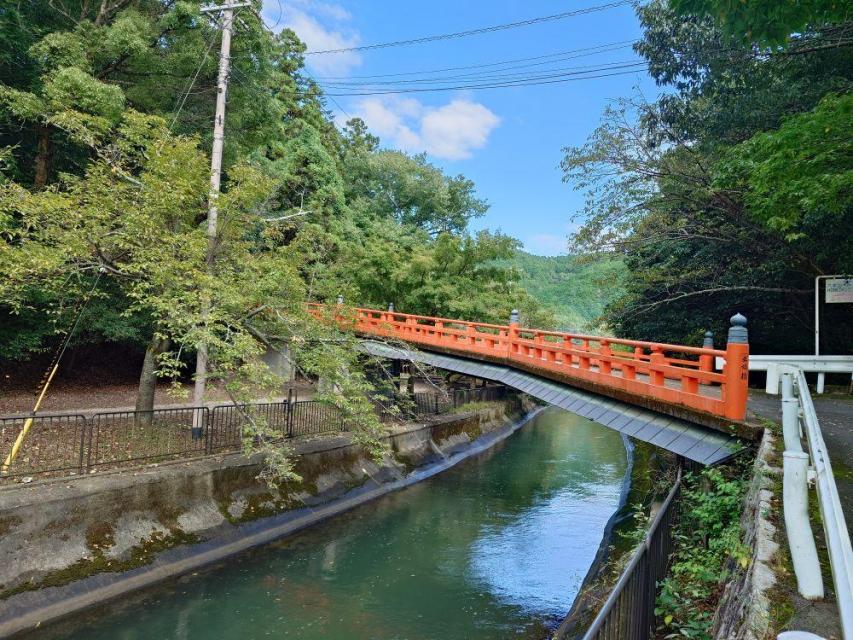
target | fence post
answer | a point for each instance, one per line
(208, 430)
(736, 371)
(795, 501)
(83, 432)
(288, 417)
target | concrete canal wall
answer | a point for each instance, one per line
(66, 544)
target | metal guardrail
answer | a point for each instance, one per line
(72, 443)
(629, 611)
(834, 524)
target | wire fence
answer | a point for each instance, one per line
(73, 443)
(629, 611)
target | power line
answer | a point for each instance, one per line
(473, 32)
(191, 83)
(498, 79)
(499, 85)
(495, 76)
(557, 56)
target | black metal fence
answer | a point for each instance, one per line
(629, 612)
(436, 403)
(63, 444)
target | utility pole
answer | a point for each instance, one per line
(227, 11)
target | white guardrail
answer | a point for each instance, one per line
(799, 418)
(774, 365)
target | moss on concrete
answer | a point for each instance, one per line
(7, 523)
(98, 539)
(265, 501)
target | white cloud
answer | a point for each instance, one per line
(451, 132)
(321, 26)
(457, 128)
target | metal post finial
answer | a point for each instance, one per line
(738, 333)
(513, 316)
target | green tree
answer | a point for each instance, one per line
(767, 21)
(719, 196)
(799, 178)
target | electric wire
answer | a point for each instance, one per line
(304, 70)
(559, 55)
(191, 83)
(518, 83)
(478, 31)
(489, 76)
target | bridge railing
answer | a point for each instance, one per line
(675, 374)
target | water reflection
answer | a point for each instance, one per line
(494, 548)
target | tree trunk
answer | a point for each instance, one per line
(148, 380)
(44, 156)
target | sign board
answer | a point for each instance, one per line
(839, 290)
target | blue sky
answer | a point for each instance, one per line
(508, 140)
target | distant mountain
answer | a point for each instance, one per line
(576, 289)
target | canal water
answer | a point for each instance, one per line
(496, 547)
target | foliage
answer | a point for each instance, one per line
(707, 542)
(105, 122)
(800, 175)
(766, 21)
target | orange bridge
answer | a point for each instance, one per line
(675, 379)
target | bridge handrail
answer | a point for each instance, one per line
(663, 346)
(678, 348)
(574, 355)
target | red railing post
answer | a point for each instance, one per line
(512, 333)
(604, 364)
(656, 359)
(706, 362)
(736, 371)
(567, 357)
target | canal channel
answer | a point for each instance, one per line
(496, 547)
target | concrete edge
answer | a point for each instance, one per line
(67, 487)
(58, 602)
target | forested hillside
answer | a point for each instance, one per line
(577, 290)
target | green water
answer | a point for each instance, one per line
(496, 547)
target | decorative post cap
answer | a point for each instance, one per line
(708, 343)
(390, 306)
(737, 332)
(340, 299)
(513, 316)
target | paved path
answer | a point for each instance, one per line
(835, 414)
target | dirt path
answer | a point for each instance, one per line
(69, 397)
